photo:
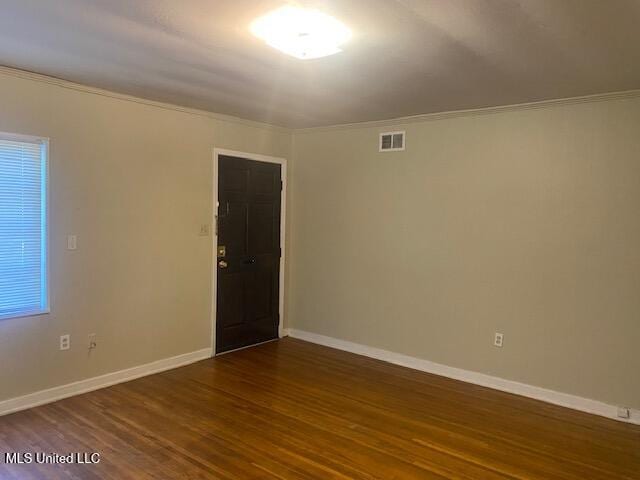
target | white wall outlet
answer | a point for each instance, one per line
(624, 412)
(205, 230)
(93, 343)
(65, 342)
(72, 242)
(498, 339)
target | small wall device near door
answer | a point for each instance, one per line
(248, 252)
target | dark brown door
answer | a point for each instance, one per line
(249, 271)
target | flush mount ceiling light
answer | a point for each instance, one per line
(301, 33)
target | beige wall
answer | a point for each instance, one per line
(134, 182)
(525, 222)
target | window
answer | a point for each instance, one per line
(24, 286)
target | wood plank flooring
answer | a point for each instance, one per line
(294, 410)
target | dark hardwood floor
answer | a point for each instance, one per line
(294, 410)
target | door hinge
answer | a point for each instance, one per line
(279, 252)
(281, 185)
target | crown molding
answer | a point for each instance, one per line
(429, 117)
(37, 77)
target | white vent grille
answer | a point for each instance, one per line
(391, 142)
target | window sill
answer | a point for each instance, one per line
(30, 313)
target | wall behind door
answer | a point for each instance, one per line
(524, 222)
(134, 183)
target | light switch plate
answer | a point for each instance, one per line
(205, 230)
(72, 242)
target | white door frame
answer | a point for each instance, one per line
(214, 264)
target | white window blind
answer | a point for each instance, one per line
(23, 226)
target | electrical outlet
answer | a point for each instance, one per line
(498, 340)
(65, 342)
(624, 412)
(205, 230)
(92, 341)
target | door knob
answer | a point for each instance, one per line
(222, 264)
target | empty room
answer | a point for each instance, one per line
(320, 239)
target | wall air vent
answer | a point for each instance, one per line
(391, 142)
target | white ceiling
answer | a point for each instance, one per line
(406, 57)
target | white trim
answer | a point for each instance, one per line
(283, 215)
(550, 396)
(19, 137)
(28, 313)
(598, 97)
(36, 77)
(45, 144)
(471, 112)
(83, 386)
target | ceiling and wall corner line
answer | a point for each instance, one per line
(37, 77)
(428, 117)
(399, 121)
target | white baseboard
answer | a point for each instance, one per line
(83, 386)
(550, 396)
